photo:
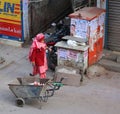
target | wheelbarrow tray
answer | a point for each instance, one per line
(24, 90)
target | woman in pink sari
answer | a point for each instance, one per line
(37, 56)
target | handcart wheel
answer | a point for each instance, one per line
(20, 102)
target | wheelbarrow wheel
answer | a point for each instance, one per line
(20, 102)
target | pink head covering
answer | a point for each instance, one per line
(37, 43)
(40, 37)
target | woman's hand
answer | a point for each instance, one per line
(49, 48)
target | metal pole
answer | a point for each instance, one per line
(89, 3)
(106, 24)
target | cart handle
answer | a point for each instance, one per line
(56, 86)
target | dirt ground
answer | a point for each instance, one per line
(98, 94)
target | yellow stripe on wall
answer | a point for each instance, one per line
(11, 22)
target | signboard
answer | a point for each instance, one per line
(10, 19)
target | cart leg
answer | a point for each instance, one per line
(40, 103)
(20, 102)
(45, 96)
(82, 74)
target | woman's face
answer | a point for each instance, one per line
(42, 41)
(40, 38)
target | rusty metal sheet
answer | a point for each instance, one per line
(87, 13)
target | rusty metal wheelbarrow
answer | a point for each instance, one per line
(26, 89)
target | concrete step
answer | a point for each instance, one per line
(11, 42)
(110, 65)
(112, 55)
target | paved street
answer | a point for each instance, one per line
(97, 95)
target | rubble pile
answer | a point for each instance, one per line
(2, 60)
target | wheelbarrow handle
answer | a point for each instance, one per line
(54, 86)
(58, 84)
(61, 80)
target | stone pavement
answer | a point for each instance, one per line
(16, 61)
(12, 54)
(97, 95)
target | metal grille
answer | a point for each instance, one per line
(78, 4)
(113, 26)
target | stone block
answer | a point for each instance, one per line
(71, 75)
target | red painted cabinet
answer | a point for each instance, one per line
(88, 24)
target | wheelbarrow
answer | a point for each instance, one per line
(25, 88)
